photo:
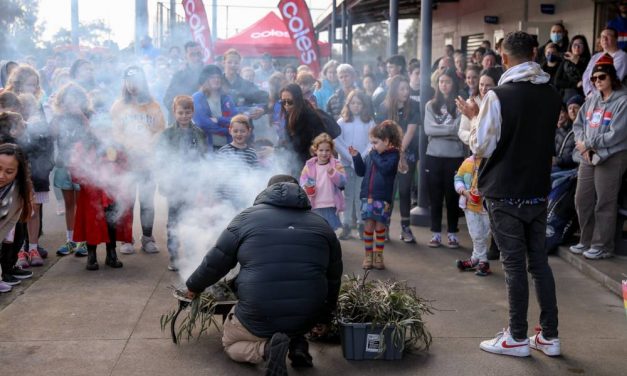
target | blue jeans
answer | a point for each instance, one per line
(520, 233)
(351, 198)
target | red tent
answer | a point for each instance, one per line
(270, 35)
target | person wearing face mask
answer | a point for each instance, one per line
(552, 60)
(559, 37)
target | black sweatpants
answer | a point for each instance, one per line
(440, 173)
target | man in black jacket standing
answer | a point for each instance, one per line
(289, 279)
(514, 133)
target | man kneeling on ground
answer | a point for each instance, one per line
(289, 279)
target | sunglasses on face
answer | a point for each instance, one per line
(600, 77)
(287, 102)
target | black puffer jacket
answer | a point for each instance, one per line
(291, 263)
(564, 146)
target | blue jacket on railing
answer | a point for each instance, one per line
(378, 171)
(202, 116)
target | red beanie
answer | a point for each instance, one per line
(605, 64)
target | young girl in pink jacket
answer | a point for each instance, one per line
(323, 179)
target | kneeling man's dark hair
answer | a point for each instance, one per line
(519, 45)
(282, 179)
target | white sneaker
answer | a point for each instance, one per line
(5, 287)
(578, 248)
(549, 347)
(148, 244)
(596, 254)
(127, 248)
(504, 344)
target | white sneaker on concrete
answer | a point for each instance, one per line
(127, 248)
(596, 254)
(505, 344)
(578, 248)
(549, 347)
(149, 245)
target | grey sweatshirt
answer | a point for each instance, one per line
(442, 132)
(602, 124)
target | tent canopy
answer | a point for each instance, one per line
(270, 35)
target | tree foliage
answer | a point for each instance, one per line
(371, 39)
(93, 33)
(409, 47)
(18, 32)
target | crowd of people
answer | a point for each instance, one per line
(97, 133)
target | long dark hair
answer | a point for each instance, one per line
(585, 56)
(439, 100)
(22, 179)
(392, 101)
(137, 75)
(300, 105)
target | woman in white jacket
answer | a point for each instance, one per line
(488, 79)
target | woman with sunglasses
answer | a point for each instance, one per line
(568, 78)
(302, 123)
(601, 142)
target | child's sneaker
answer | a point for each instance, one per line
(22, 259)
(578, 248)
(377, 260)
(483, 269)
(406, 235)
(81, 249)
(453, 242)
(550, 347)
(66, 248)
(467, 265)
(148, 244)
(127, 248)
(504, 344)
(436, 241)
(35, 258)
(367, 264)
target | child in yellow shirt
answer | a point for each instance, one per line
(476, 216)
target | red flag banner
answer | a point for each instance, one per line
(298, 21)
(196, 17)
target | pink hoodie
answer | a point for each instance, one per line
(338, 178)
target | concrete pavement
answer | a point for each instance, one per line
(70, 321)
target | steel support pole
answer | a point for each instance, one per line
(343, 25)
(420, 214)
(172, 23)
(214, 20)
(393, 47)
(349, 39)
(74, 15)
(141, 22)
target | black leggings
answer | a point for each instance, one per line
(9, 251)
(440, 174)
